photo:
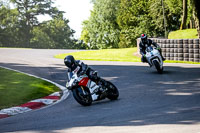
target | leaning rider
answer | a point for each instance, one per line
(77, 66)
(144, 43)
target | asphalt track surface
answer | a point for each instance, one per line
(148, 102)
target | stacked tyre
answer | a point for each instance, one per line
(196, 50)
(171, 45)
(191, 50)
(175, 49)
(167, 45)
(163, 47)
(180, 49)
(185, 50)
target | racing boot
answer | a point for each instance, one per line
(163, 58)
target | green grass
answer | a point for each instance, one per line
(17, 88)
(124, 55)
(183, 34)
(15, 47)
(187, 62)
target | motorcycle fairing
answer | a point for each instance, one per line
(83, 81)
(91, 85)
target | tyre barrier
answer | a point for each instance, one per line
(175, 55)
(191, 55)
(186, 59)
(175, 50)
(180, 49)
(186, 55)
(167, 50)
(185, 50)
(191, 59)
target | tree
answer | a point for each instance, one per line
(197, 15)
(9, 29)
(19, 26)
(102, 30)
(172, 10)
(126, 20)
(85, 33)
(164, 19)
(133, 19)
(54, 33)
(28, 11)
(184, 17)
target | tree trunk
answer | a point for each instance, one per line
(197, 16)
(164, 19)
(184, 18)
(191, 25)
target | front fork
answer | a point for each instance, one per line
(84, 93)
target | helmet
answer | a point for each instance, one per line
(69, 61)
(144, 38)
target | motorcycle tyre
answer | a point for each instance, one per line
(113, 93)
(79, 99)
(157, 65)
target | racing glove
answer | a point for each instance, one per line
(158, 48)
(81, 73)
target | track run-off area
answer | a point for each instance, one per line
(148, 103)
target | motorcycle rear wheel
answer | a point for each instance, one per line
(112, 92)
(85, 100)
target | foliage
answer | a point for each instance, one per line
(196, 4)
(28, 11)
(9, 28)
(173, 9)
(20, 27)
(102, 30)
(53, 34)
(112, 23)
(131, 18)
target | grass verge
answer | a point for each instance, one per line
(187, 62)
(124, 55)
(183, 34)
(17, 88)
(15, 47)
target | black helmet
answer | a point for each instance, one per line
(144, 38)
(69, 61)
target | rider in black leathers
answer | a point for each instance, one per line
(77, 66)
(144, 43)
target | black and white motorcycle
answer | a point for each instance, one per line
(85, 91)
(154, 58)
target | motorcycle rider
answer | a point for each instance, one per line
(144, 43)
(77, 66)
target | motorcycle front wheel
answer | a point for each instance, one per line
(82, 96)
(112, 92)
(157, 65)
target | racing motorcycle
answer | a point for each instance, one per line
(85, 91)
(154, 58)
